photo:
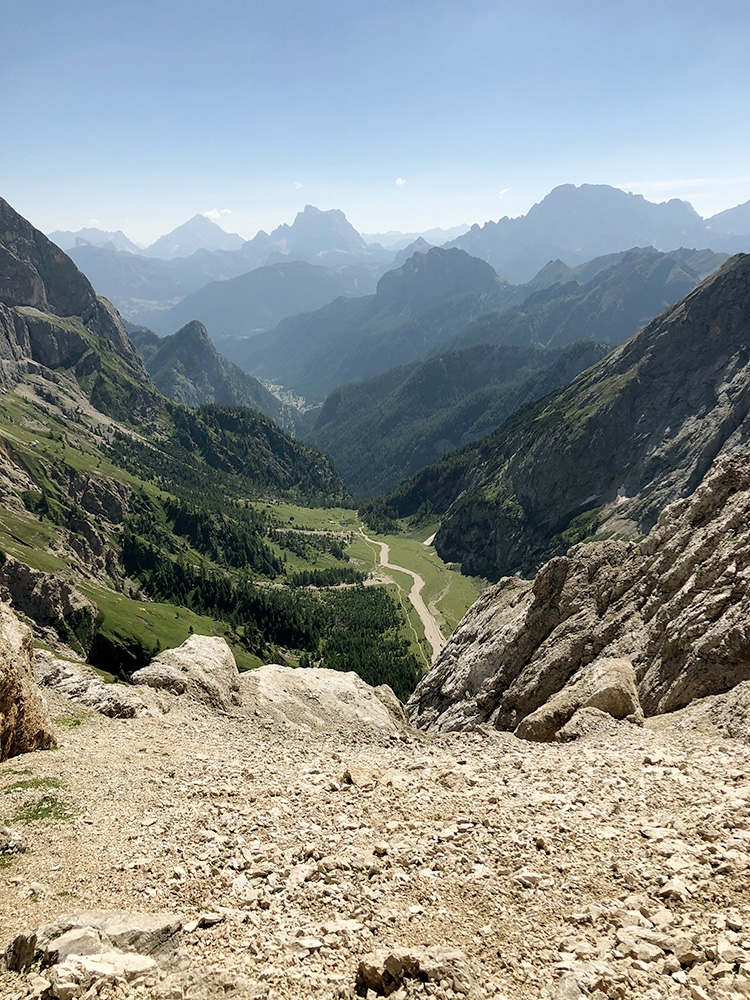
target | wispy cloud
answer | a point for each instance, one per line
(298, 184)
(502, 192)
(217, 213)
(93, 222)
(400, 181)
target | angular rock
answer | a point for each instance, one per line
(24, 722)
(155, 935)
(386, 970)
(608, 685)
(202, 668)
(80, 683)
(320, 699)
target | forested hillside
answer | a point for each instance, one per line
(130, 521)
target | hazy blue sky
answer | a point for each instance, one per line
(406, 115)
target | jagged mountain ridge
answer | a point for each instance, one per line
(610, 304)
(67, 240)
(578, 223)
(142, 286)
(607, 452)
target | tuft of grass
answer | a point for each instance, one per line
(68, 721)
(28, 783)
(47, 807)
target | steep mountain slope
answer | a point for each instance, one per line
(310, 353)
(610, 305)
(627, 628)
(733, 221)
(188, 368)
(607, 452)
(50, 315)
(260, 299)
(577, 223)
(383, 429)
(198, 233)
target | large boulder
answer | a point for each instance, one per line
(607, 685)
(24, 722)
(676, 606)
(321, 700)
(202, 668)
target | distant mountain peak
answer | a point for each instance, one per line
(198, 233)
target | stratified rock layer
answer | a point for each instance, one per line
(24, 723)
(674, 606)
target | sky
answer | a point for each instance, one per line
(407, 115)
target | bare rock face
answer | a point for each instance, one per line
(203, 668)
(24, 723)
(321, 700)
(50, 600)
(80, 683)
(607, 684)
(674, 606)
(729, 713)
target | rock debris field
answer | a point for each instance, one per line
(367, 861)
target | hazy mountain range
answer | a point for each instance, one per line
(445, 300)
(578, 223)
(572, 223)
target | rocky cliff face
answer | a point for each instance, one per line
(623, 627)
(48, 309)
(24, 722)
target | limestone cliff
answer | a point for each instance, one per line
(24, 722)
(674, 607)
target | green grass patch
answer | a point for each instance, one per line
(32, 783)
(69, 721)
(155, 626)
(47, 807)
(335, 519)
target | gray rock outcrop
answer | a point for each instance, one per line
(50, 600)
(321, 700)
(93, 949)
(202, 668)
(80, 683)
(674, 606)
(24, 722)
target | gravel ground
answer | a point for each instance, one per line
(614, 866)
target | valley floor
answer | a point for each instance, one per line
(616, 866)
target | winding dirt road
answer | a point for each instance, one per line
(431, 629)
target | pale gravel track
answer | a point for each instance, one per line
(431, 627)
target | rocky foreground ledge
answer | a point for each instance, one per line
(289, 860)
